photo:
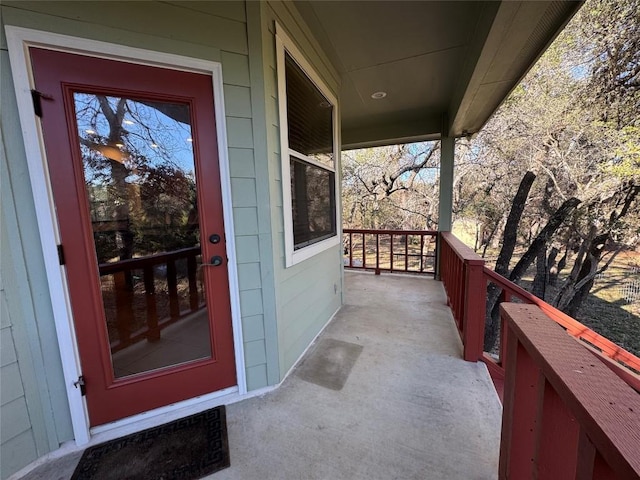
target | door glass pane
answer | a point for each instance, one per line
(139, 172)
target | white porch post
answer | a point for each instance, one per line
(445, 203)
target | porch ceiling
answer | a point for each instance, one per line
(445, 66)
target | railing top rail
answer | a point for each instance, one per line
(573, 326)
(390, 232)
(149, 260)
(463, 251)
(604, 405)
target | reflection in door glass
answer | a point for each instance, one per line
(139, 172)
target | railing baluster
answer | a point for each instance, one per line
(391, 254)
(556, 455)
(504, 331)
(124, 306)
(172, 284)
(377, 254)
(192, 269)
(519, 432)
(364, 253)
(406, 253)
(153, 333)
(421, 252)
(350, 249)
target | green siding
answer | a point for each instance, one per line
(235, 69)
(253, 328)
(160, 20)
(215, 31)
(257, 375)
(249, 275)
(238, 101)
(15, 14)
(269, 373)
(7, 350)
(255, 353)
(17, 453)
(247, 249)
(11, 384)
(243, 192)
(239, 132)
(282, 309)
(246, 221)
(14, 420)
(241, 163)
(308, 293)
(233, 10)
(31, 373)
(251, 302)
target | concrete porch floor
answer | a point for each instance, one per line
(409, 408)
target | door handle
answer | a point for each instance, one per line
(215, 261)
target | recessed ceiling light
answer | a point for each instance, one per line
(378, 95)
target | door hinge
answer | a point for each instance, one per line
(61, 258)
(37, 97)
(81, 385)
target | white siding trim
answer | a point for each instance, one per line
(292, 256)
(229, 228)
(18, 40)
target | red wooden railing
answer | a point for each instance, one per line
(565, 415)
(597, 344)
(465, 278)
(390, 250)
(461, 274)
(125, 296)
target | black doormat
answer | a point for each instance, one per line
(186, 449)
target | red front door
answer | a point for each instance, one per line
(133, 163)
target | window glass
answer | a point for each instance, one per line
(309, 116)
(308, 138)
(313, 203)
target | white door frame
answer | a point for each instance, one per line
(19, 40)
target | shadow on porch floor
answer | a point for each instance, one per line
(409, 408)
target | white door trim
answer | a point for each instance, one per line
(19, 40)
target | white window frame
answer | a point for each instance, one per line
(292, 256)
